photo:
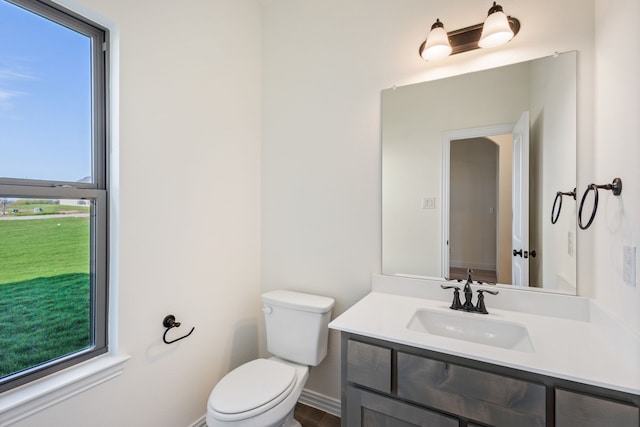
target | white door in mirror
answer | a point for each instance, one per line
(520, 200)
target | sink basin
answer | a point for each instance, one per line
(472, 327)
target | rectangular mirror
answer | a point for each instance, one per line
(471, 168)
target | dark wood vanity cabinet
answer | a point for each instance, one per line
(385, 384)
(582, 410)
(478, 395)
(373, 409)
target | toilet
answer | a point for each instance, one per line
(264, 392)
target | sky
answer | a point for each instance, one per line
(45, 98)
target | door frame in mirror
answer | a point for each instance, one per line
(447, 137)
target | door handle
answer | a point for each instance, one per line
(517, 253)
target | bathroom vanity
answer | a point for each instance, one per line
(395, 373)
(388, 384)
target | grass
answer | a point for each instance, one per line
(43, 248)
(44, 291)
(42, 319)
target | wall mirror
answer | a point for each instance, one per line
(471, 167)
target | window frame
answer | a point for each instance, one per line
(95, 191)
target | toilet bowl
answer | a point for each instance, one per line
(260, 393)
(264, 392)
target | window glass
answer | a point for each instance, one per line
(44, 281)
(45, 98)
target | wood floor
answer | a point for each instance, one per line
(312, 417)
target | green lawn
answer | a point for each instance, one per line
(44, 290)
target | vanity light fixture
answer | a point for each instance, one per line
(496, 30)
(437, 44)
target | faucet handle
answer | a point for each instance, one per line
(480, 307)
(456, 304)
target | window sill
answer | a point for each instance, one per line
(31, 398)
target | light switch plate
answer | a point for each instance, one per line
(428, 202)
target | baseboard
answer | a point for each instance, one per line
(201, 422)
(320, 401)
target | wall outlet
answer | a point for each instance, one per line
(428, 202)
(629, 265)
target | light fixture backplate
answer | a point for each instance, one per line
(466, 39)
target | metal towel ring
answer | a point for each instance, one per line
(615, 187)
(559, 195)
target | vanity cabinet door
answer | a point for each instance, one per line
(369, 365)
(367, 409)
(482, 396)
(581, 410)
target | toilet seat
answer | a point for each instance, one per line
(251, 389)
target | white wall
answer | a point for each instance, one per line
(325, 63)
(616, 153)
(553, 105)
(188, 191)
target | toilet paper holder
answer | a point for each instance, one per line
(169, 322)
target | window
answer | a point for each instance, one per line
(53, 190)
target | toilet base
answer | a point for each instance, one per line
(290, 421)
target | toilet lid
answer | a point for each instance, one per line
(251, 385)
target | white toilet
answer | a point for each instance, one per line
(264, 392)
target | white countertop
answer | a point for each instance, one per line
(578, 343)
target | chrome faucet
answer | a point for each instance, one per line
(468, 296)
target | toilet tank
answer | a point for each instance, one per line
(297, 325)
